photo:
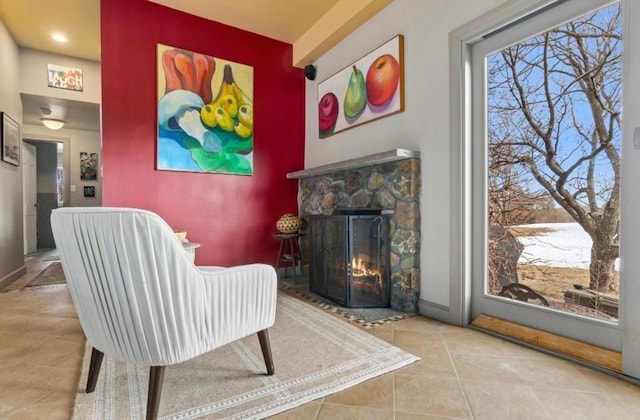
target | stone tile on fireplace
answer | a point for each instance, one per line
(393, 187)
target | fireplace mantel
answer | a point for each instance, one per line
(370, 160)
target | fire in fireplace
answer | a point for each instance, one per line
(349, 257)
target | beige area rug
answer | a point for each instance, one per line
(315, 354)
(53, 274)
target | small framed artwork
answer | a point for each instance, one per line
(369, 89)
(88, 166)
(62, 77)
(10, 133)
(89, 192)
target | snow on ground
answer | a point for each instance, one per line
(565, 245)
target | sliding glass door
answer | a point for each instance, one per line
(549, 168)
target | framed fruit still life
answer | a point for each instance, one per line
(205, 113)
(369, 89)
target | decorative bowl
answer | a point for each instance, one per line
(288, 223)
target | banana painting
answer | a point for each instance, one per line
(224, 111)
(205, 116)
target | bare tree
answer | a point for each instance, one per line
(555, 106)
(511, 201)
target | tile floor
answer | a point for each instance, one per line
(463, 374)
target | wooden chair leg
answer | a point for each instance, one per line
(263, 336)
(156, 376)
(94, 369)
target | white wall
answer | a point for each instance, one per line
(25, 71)
(423, 126)
(11, 243)
(33, 79)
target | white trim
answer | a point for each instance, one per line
(629, 226)
(66, 158)
(460, 41)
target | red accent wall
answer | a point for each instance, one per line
(232, 216)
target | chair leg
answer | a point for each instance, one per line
(279, 254)
(294, 260)
(94, 369)
(263, 336)
(156, 376)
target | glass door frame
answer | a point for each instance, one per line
(468, 226)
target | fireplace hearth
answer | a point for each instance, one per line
(349, 257)
(390, 181)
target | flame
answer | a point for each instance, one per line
(364, 278)
(359, 268)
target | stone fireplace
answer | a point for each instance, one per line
(389, 181)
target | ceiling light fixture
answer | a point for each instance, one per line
(52, 123)
(59, 38)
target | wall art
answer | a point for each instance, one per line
(88, 166)
(89, 192)
(369, 89)
(62, 77)
(205, 113)
(10, 130)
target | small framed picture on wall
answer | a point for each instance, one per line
(10, 133)
(90, 192)
(88, 166)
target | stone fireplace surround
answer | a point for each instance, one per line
(389, 181)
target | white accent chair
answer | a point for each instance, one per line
(141, 300)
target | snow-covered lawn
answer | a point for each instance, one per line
(565, 245)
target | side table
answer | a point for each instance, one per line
(190, 249)
(290, 252)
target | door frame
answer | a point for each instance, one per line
(29, 184)
(461, 245)
(66, 160)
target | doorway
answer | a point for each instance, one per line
(44, 190)
(548, 138)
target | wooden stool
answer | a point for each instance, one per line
(289, 253)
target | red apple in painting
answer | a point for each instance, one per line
(382, 80)
(327, 112)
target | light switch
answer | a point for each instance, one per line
(73, 188)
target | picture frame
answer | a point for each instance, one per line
(204, 113)
(89, 191)
(88, 166)
(10, 133)
(62, 77)
(367, 90)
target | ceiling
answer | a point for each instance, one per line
(31, 23)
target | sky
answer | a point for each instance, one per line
(569, 145)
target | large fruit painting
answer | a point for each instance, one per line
(369, 89)
(205, 113)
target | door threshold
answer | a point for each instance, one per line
(552, 343)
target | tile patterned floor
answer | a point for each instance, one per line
(463, 374)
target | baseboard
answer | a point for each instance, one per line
(438, 312)
(11, 277)
(574, 349)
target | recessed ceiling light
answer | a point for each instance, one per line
(59, 38)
